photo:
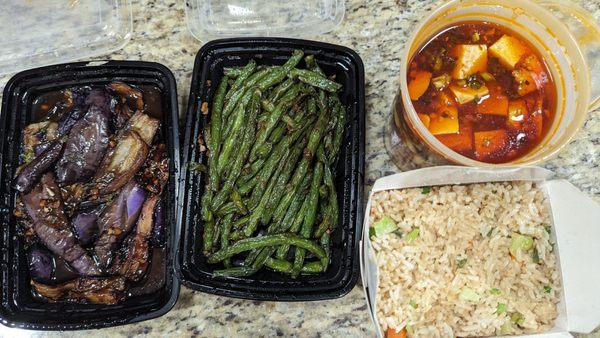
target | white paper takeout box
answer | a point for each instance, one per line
(576, 231)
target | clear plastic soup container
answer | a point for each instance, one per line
(567, 37)
(41, 32)
(210, 19)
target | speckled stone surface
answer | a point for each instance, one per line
(377, 30)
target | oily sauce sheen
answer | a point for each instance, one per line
(483, 91)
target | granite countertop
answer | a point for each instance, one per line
(377, 30)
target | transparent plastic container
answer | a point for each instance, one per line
(41, 32)
(566, 36)
(211, 19)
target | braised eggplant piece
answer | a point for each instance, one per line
(32, 171)
(121, 163)
(118, 219)
(128, 95)
(143, 125)
(159, 228)
(85, 224)
(41, 264)
(45, 208)
(86, 145)
(155, 173)
(109, 290)
(89, 195)
(135, 264)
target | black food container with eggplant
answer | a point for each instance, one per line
(89, 173)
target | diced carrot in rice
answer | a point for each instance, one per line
(488, 143)
(508, 50)
(471, 59)
(425, 119)
(495, 104)
(391, 333)
(419, 84)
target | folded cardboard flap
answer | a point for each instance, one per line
(577, 224)
(576, 219)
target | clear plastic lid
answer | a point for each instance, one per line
(41, 32)
(210, 19)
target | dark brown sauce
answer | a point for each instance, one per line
(51, 106)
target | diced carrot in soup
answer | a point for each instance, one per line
(461, 142)
(525, 82)
(532, 63)
(467, 94)
(495, 104)
(419, 84)
(444, 121)
(425, 119)
(509, 51)
(471, 59)
(489, 143)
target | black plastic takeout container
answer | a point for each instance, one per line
(19, 308)
(343, 272)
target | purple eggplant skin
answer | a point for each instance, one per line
(117, 221)
(39, 148)
(85, 147)
(41, 264)
(85, 225)
(44, 206)
(32, 172)
(157, 238)
(98, 98)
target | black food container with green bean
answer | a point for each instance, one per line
(348, 174)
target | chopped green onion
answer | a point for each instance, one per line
(500, 308)
(535, 256)
(547, 288)
(384, 226)
(474, 81)
(398, 233)
(517, 318)
(426, 190)
(469, 294)
(487, 76)
(371, 232)
(520, 243)
(495, 291)
(413, 304)
(548, 229)
(412, 235)
(489, 234)
(461, 262)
